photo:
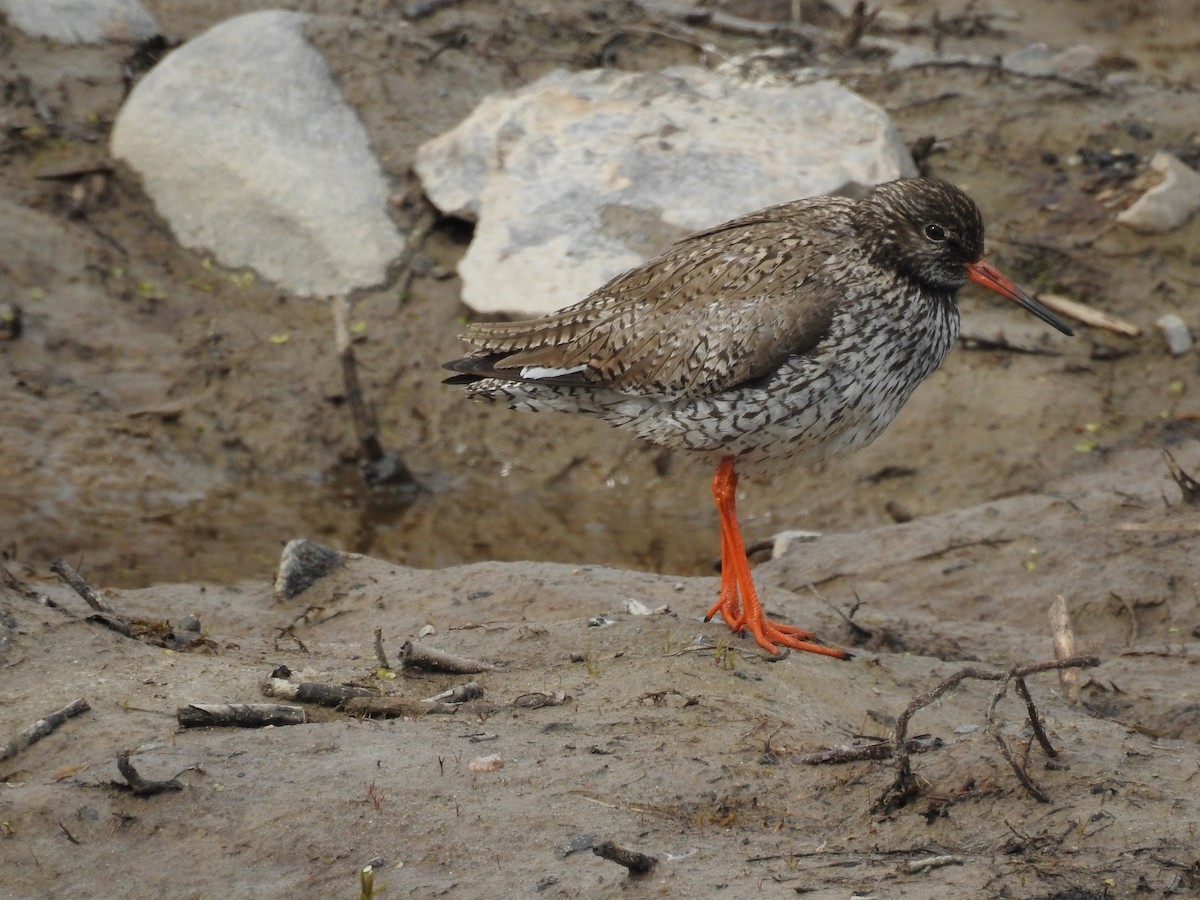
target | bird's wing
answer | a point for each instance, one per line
(719, 308)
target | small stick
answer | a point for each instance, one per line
(379, 466)
(905, 784)
(239, 715)
(74, 580)
(1035, 720)
(1090, 316)
(143, 787)
(471, 690)
(1006, 751)
(1187, 484)
(637, 863)
(538, 699)
(396, 707)
(418, 656)
(423, 8)
(878, 750)
(1063, 637)
(917, 866)
(43, 727)
(313, 692)
(380, 656)
(899, 748)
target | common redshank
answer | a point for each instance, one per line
(784, 337)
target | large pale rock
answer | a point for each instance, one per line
(1170, 203)
(577, 177)
(81, 21)
(248, 149)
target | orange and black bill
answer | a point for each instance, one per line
(984, 273)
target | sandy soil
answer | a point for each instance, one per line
(154, 435)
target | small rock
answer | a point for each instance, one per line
(301, 565)
(1032, 60)
(1176, 333)
(248, 149)
(82, 21)
(492, 763)
(637, 608)
(1075, 60)
(1139, 131)
(189, 623)
(1170, 203)
(784, 540)
(574, 845)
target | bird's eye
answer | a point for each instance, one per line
(935, 233)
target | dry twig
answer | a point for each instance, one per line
(239, 715)
(1063, 637)
(905, 784)
(334, 695)
(105, 615)
(1089, 315)
(418, 656)
(1187, 484)
(379, 466)
(43, 727)
(142, 787)
(637, 863)
(878, 750)
(380, 656)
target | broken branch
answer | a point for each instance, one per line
(637, 863)
(139, 786)
(419, 656)
(43, 727)
(239, 715)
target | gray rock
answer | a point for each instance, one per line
(81, 21)
(1038, 60)
(1170, 203)
(1176, 333)
(248, 149)
(577, 177)
(301, 565)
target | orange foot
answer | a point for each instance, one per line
(738, 602)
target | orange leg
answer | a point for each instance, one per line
(736, 581)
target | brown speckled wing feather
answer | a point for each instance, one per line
(717, 309)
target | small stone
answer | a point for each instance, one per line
(492, 763)
(301, 565)
(1176, 333)
(1075, 60)
(82, 21)
(784, 540)
(1170, 203)
(189, 623)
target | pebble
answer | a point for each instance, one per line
(1176, 333)
(82, 21)
(491, 763)
(301, 565)
(1168, 204)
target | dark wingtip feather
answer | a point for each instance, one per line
(471, 369)
(461, 379)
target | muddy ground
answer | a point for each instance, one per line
(155, 435)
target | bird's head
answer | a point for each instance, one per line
(930, 231)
